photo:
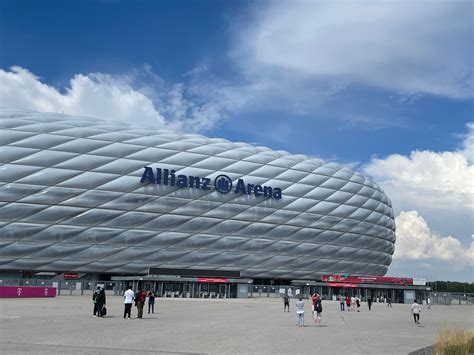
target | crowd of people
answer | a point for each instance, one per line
(140, 297)
(130, 297)
(346, 302)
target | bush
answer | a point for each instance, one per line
(453, 340)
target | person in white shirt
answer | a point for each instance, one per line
(415, 310)
(300, 312)
(428, 301)
(128, 296)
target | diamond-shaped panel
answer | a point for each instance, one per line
(71, 200)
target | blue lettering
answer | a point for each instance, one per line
(182, 181)
(277, 193)
(240, 188)
(158, 176)
(168, 177)
(148, 175)
(249, 188)
(205, 183)
(173, 178)
(267, 191)
(195, 181)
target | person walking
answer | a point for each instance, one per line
(300, 312)
(358, 303)
(314, 299)
(389, 301)
(341, 301)
(94, 297)
(348, 302)
(140, 299)
(286, 302)
(128, 297)
(151, 301)
(416, 310)
(100, 301)
(428, 302)
(318, 309)
(369, 302)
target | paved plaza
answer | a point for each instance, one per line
(64, 325)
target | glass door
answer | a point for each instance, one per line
(222, 291)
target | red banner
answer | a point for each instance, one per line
(26, 291)
(368, 279)
(212, 279)
(338, 284)
(70, 275)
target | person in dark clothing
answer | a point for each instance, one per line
(151, 301)
(389, 302)
(94, 297)
(369, 302)
(100, 301)
(286, 302)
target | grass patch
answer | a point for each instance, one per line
(452, 340)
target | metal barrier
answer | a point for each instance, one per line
(452, 298)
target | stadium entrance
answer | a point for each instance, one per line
(190, 283)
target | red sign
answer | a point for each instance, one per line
(70, 275)
(211, 279)
(26, 291)
(338, 284)
(368, 279)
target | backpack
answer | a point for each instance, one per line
(319, 306)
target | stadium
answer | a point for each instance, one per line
(103, 199)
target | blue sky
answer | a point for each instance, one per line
(361, 83)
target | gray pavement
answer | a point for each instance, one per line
(65, 325)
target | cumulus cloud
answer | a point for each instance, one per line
(407, 47)
(438, 186)
(468, 143)
(415, 241)
(139, 97)
(436, 179)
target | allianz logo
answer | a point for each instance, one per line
(222, 183)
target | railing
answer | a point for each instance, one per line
(451, 298)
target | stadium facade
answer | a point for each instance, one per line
(98, 197)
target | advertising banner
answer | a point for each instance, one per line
(212, 280)
(340, 284)
(26, 291)
(368, 279)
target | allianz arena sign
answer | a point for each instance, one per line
(222, 183)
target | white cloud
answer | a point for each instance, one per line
(443, 180)
(468, 144)
(436, 179)
(440, 187)
(406, 47)
(415, 241)
(139, 97)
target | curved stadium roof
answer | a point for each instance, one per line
(72, 199)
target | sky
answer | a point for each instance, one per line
(384, 87)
